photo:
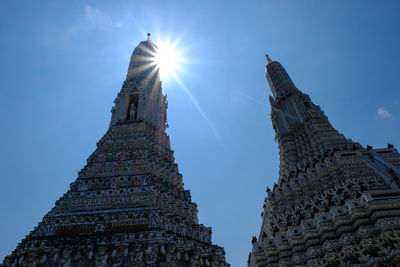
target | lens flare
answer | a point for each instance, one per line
(168, 59)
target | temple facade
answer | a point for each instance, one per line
(128, 206)
(336, 203)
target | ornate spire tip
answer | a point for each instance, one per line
(148, 36)
(268, 59)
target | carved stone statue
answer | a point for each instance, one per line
(133, 111)
(66, 260)
(137, 256)
(101, 258)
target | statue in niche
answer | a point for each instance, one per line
(66, 260)
(137, 256)
(101, 258)
(133, 111)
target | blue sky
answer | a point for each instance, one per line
(63, 62)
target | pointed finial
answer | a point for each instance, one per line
(148, 36)
(268, 59)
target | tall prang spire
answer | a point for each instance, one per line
(141, 97)
(142, 63)
(128, 205)
(335, 203)
(302, 129)
(279, 80)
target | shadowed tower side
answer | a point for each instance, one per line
(128, 206)
(335, 202)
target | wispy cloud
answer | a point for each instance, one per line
(90, 19)
(384, 113)
(94, 19)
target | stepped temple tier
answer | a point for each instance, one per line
(336, 203)
(128, 206)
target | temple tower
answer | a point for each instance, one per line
(128, 206)
(336, 203)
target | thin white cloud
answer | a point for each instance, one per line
(91, 19)
(383, 113)
(94, 19)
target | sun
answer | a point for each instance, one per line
(169, 59)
